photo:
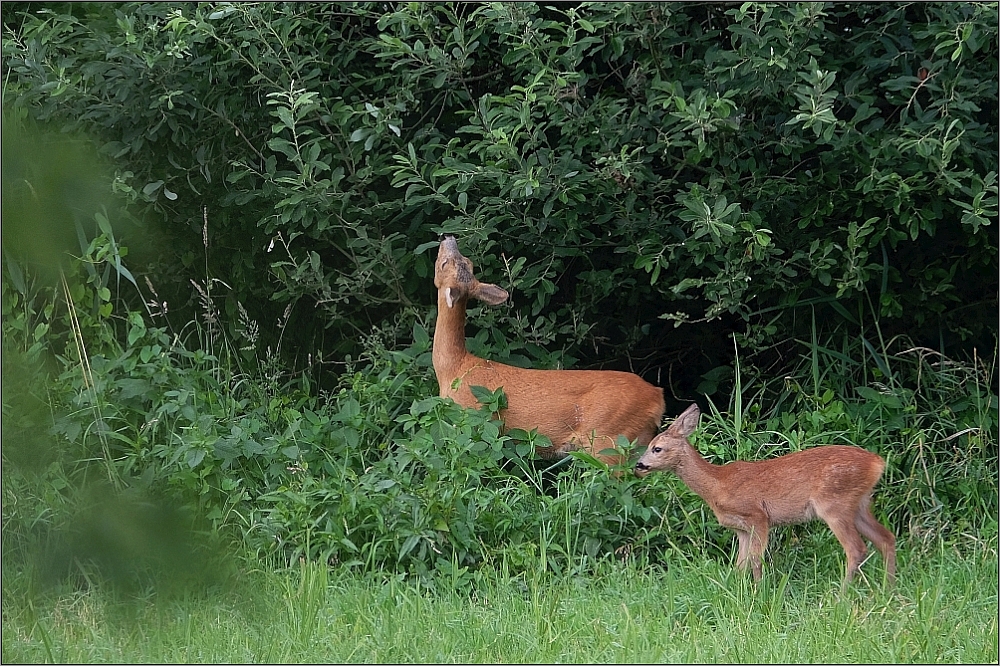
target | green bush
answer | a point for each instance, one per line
(644, 179)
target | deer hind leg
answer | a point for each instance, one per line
(883, 539)
(854, 546)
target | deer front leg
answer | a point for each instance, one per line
(757, 546)
(744, 549)
(752, 536)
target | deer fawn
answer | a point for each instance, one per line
(573, 408)
(832, 483)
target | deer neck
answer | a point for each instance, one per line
(697, 473)
(449, 350)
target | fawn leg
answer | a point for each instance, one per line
(883, 539)
(744, 543)
(758, 544)
(752, 534)
(854, 546)
(753, 542)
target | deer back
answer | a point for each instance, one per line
(792, 488)
(568, 406)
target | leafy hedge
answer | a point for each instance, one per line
(620, 168)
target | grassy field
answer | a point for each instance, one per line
(944, 609)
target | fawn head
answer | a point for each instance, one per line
(453, 275)
(667, 448)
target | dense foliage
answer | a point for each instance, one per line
(619, 167)
(219, 220)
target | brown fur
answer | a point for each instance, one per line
(832, 483)
(574, 408)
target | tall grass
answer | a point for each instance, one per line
(695, 611)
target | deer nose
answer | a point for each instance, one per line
(641, 465)
(442, 237)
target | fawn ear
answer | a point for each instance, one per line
(489, 293)
(686, 423)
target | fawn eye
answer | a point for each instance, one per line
(657, 449)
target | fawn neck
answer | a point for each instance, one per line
(449, 337)
(697, 473)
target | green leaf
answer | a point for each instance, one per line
(284, 114)
(149, 188)
(418, 407)
(547, 208)
(420, 336)
(879, 361)
(194, 457)
(16, 276)
(131, 388)
(490, 431)
(104, 224)
(222, 13)
(135, 333)
(408, 545)
(482, 394)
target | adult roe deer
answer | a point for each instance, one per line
(574, 408)
(833, 483)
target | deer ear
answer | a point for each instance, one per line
(448, 298)
(489, 293)
(686, 423)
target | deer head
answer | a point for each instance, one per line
(670, 447)
(454, 278)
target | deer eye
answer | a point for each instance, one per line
(657, 449)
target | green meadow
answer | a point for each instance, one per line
(944, 609)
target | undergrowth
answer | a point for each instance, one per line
(381, 474)
(131, 446)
